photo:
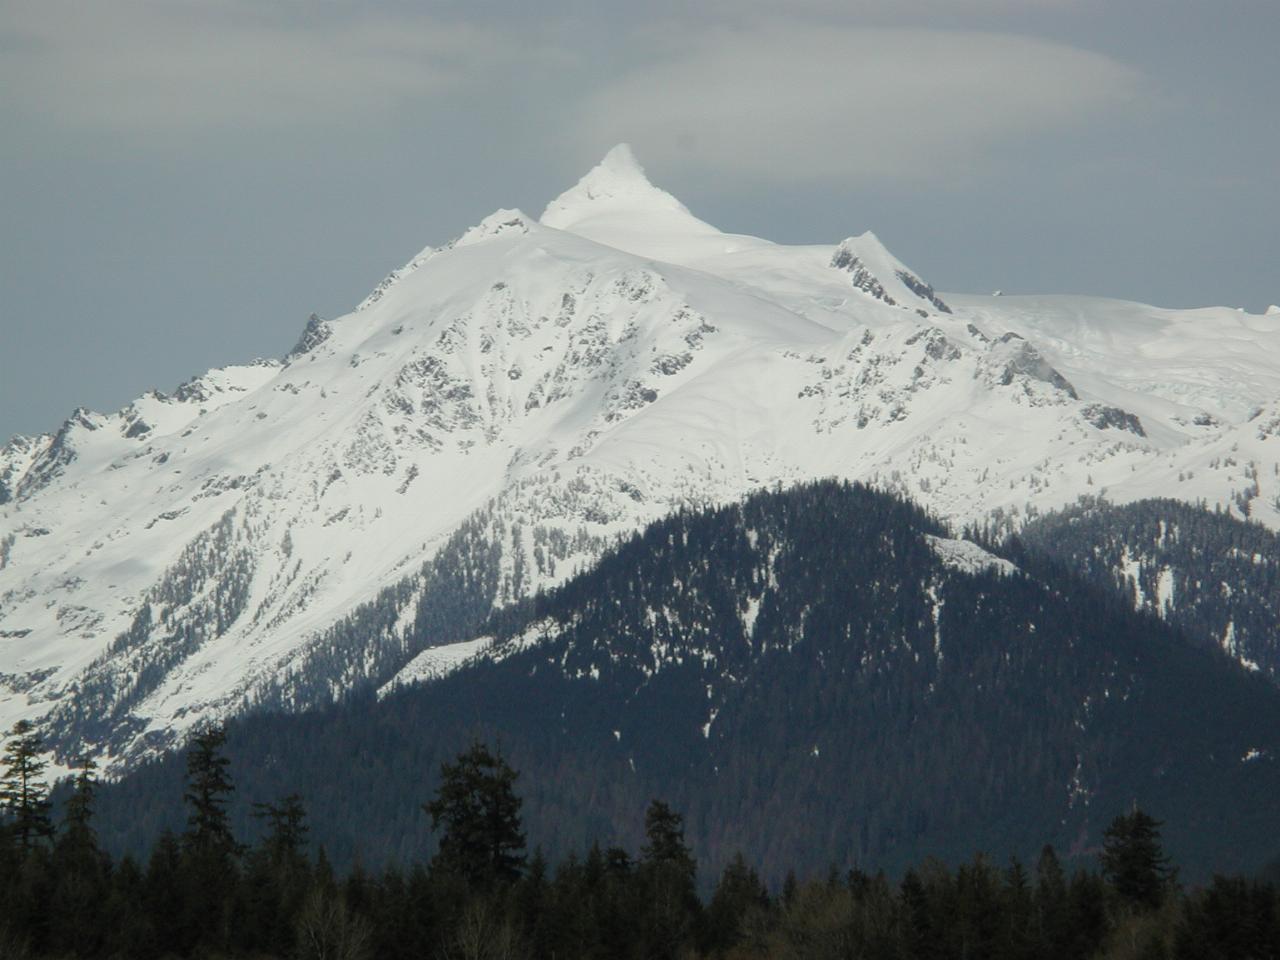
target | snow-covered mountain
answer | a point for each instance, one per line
(523, 394)
(803, 705)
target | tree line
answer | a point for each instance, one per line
(484, 896)
(807, 681)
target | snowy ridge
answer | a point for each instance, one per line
(879, 274)
(967, 557)
(575, 377)
(435, 662)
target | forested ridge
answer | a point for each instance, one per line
(1215, 576)
(201, 893)
(809, 682)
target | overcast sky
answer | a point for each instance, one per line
(183, 181)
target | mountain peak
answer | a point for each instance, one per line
(878, 273)
(621, 164)
(868, 246)
(617, 184)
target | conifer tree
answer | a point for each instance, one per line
(1086, 914)
(664, 835)
(210, 852)
(1019, 912)
(164, 900)
(208, 791)
(919, 937)
(286, 827)
(1052, 927)
(82, 873)
(77, 823)
(276, 880)
(668, 873)
(1133, 861)
(478, 810)
(738, 895)
(22, 792)
(77, 851)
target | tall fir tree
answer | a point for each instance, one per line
(739, 894)
(668, 874)
(23, 793)
(478, 812)
(1134, 862)
(1052, 931)
(77, 824)
(276, 878)
(82, 886)
(209, 789)
(286, 823)
(210, 853)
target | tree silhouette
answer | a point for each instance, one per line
(209, 788)
(1133, 861)
(286, 827)
(668, 874)
(477, 808)
(22, 791)
(78, 843)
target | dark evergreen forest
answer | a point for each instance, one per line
(810, 684)
(1215, 576)
(200, 893)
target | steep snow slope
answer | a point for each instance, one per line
(574, 377)
(748, 662)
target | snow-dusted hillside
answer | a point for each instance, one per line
(556, 382)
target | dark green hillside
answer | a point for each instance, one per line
(879, 707)
(1215, 576)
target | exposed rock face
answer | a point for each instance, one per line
(1112, 418)
(877, 273)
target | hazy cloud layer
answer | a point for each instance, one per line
(136, 65)
(831, 103)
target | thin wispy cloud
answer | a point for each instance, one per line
(139, 64)
(813, 98)
(821, 102)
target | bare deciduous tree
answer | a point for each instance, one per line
(327, 930)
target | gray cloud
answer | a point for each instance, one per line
(906, 13)
(137, 64)
(824, 103)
